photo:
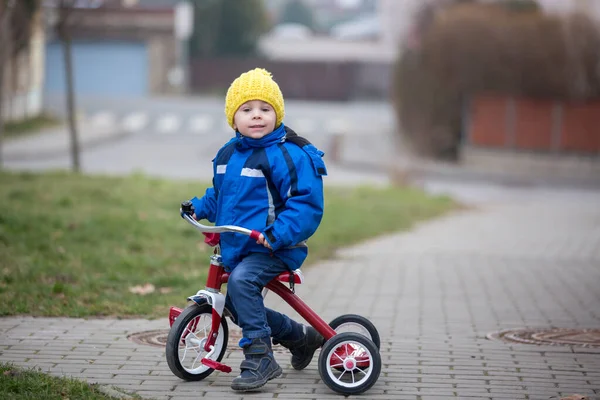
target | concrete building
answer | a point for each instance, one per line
(23, 80)
(123, 48)
(588, 7)
(394, 20)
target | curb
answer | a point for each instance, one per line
(52, 152)
(471, 175)
(113, 392)
(419, 172)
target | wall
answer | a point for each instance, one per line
(317, 80)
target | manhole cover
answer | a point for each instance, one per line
(158, 338)
(550, 337)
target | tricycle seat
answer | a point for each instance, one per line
(285, 277)
(212, 239)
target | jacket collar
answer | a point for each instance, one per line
(277, 136)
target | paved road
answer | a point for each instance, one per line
(201, 120)
(199, 115)
(177, 138)
(517, 258)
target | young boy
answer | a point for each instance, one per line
(268, 179)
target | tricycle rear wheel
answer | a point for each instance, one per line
(358, 324)
(349, 363)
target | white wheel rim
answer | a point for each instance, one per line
(192, 352)
(353, 327)
(357, 375)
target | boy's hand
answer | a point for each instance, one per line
(263, 241)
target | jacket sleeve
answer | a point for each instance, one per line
(304, 201)
(206, 207)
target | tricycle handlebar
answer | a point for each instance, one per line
(219, 229)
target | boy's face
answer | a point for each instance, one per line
(255, 119)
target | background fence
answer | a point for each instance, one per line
(535, 125)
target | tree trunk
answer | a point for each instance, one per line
(72, 119)
(1, 104)
(5, 51)
(13, 87)
(27, 87)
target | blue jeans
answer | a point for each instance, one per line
(244, 297)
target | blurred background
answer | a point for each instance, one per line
(391, 90)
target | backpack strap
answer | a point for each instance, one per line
(293, 137)
(315, 154)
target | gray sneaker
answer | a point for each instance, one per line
(304, 348)
(258, 368)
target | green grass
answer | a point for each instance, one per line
(29, 384)
(72, 245)
(29, 125)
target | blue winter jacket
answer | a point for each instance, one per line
(273, 185)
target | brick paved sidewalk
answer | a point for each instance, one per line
(434, 293)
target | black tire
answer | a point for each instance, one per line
(177, 344)
(354, 319)
(333, 376)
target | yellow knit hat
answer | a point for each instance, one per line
(257, 84)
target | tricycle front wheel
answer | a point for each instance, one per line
(185, 343)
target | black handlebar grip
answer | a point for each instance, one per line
(187, 207)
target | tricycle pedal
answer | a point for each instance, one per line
(216, 365)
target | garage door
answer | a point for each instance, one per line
(100, 67)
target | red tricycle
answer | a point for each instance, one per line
(349, 361)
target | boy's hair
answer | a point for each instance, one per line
(256, 84)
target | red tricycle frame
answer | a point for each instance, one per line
(217, 277)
